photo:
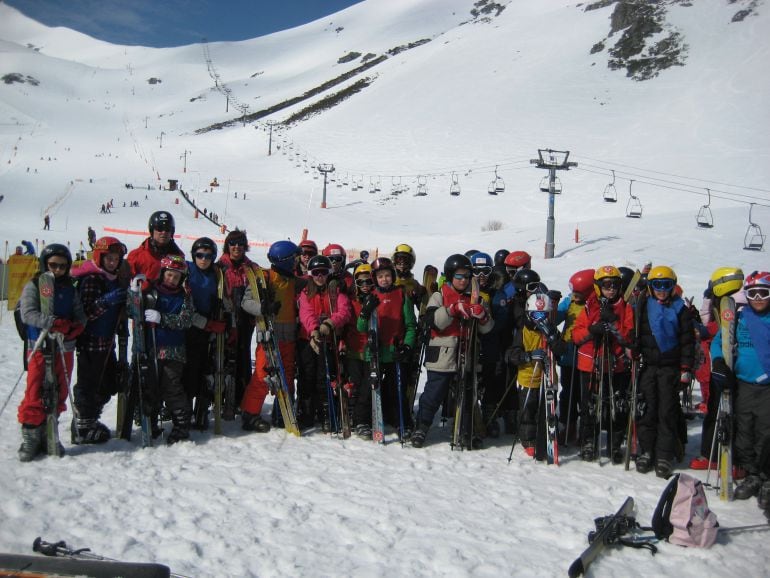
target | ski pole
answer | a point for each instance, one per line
(571, 392)
(399, 388)
(60, 548)
(75, 410)
(717, 425)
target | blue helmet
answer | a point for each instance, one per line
(282, 255)
(482, 263)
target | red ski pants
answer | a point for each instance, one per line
(31, 410)
(257, 389)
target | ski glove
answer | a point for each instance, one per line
(403, 353)
(515, 356)
(315, 341)
(269, 308)
(537, 355)
(62, 326)
(608, 315)
(598, 329)
(685, 377)
(215, 326)
(136, 284)
(554, 296)
(152, 316)
(75, 330)
(722, 376)
(477, 311)
(370, 304)
(115, 297)
(326, 328)
(459, 310)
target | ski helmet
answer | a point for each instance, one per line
(470, 252)
(582, 282)
(54, 249)
(319, 262)
(518, 259)
(105, 245)
(161, 221)
(405, 251)
(661, 278)
(526, 281)
(455, 262)
(283, 256)
(604, 274)
(204, 243)
(363, 269)
(308, 247)
(173, 263)
(757, 286)
(335, 252)
(626, 274)
(538, 306)
(383, 264)
(726, 281)
(500, 256)
(482, 263)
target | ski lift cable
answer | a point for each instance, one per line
(759, 189)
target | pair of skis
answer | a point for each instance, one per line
(467, 378)
(49, 345)
(724, 426)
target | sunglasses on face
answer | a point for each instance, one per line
(460, 276)
(320, 272)
(482, 271)
(204, 256)
(310, 253)
(758, 293)
(57, 266)
(237, 243)
(662, 284)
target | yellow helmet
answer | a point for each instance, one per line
(661, 278)
(606, 272)
(661, 272)
(726, 281)
(406, 250)
(363, 268)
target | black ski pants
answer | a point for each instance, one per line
(96, 382)
(752, 424)
(658, 426)
(198, 347)
(614, 408)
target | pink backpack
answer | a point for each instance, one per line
(682, 515)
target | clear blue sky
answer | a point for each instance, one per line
(176, 22)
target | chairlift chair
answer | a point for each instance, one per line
(754, 240)
(544, 185)
(454, 188)
(499, 183)
(634, 206)
(422, 191)
(705, 219)
(610, 194)
(492, 189)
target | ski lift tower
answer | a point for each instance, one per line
(325, 169)
(552, 161)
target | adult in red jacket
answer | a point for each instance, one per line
(146, 257)
(602, 331)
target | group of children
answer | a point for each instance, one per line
(622, 342)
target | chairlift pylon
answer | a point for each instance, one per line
(610, 194)
(634, 206)
(705, 219)
(454, 188)
(754, 239)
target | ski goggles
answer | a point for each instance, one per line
(482, 271)
(320, 272)
(512, 270)
(538, 315)
(204, 256)
(461, 276)
(662, 284)
(364, 282)
(609, 284)
(57, 266)
(309, 252)
(336, 258)
(758, 293)
(533, 287)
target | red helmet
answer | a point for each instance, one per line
(307, 246)
(757, 279)
(173, 263)
(106, 245)
(335, 252)
(582, 282)
(518, 259)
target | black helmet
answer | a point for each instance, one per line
(626, 274)
(383, 264)
(51, 250)
(526, 281)
(319, 262)
(470, 252)
(162, 221)
(204, 243)
(500, 256)
(455, 262)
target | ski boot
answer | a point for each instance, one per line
(254, 422)
(644, 463)
(181, 430)
(85, 430)
(763, 500)
(32, 438)
(587, 453)
(418, 436)
(663, 469)
(749, 488)
(364, 431)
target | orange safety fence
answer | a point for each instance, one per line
(177, 236)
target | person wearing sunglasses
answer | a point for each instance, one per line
(59, 314)
(324, 313)
(199, 370)
(146, 258)
(602, 332)
(308, 250)
(102, 284)
(337, 255)
(279, 305)
(749, 380)
(448, 312)
(666, 342)
(356, 367)
(240, 324)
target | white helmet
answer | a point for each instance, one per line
(538, 305)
